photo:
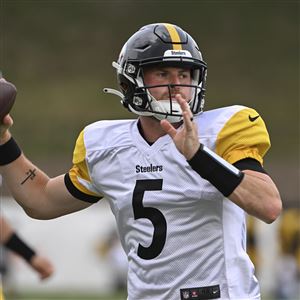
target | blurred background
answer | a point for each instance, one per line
(59, 55)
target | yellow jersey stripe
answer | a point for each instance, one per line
(74, 174)
(175, 38)
(79, 157)
(80, 169)
(79, 152)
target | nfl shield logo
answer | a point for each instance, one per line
(185, 295)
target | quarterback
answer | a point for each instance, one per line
(179, 180)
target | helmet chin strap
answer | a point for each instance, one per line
(163, 110)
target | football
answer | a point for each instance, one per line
(8, 94)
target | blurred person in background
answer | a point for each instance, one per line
(111, 250)
(179, 180)
(13, 242)
(288, 265)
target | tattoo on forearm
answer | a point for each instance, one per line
(30, 175)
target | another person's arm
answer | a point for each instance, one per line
(11, 240)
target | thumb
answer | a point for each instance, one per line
(7, 121)
(168, 128)
(5, 124)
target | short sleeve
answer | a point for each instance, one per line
(78, 180)
(244, 135)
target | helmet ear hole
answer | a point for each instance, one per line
(141, 98)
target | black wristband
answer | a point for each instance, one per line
(15, 244)
(210, 166)
(9, 152)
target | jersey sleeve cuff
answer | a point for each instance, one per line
(77, 193)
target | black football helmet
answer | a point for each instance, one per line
(159, 44)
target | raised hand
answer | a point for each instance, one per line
(185, 137)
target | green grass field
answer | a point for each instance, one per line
(35, 296)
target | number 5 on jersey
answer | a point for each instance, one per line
(153, 214)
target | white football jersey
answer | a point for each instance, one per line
(183, 238)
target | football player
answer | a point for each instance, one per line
(179, 180)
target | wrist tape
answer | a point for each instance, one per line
(15, 244)
(210, 166)
(9, 152)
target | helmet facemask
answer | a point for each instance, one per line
(140, 100)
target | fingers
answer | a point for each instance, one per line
(183, 105)
(187, 118)
(43, 266)
(186, 112)
(45, 274)
(188, 121)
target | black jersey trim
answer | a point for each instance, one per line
(250, 164)
(78, 194)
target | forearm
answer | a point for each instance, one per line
(26, 183)
(258, 196)
(40, 196)
(5, 229)
(40, 264)
(253, 191)
(13, 242)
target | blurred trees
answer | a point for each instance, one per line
(59, 54)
